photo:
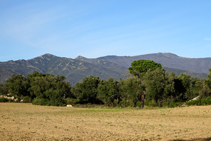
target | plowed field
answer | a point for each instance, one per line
(29, 122)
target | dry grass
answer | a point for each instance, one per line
(30, 122)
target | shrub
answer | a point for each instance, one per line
(194, 102)
(2, 99)
(203, 101)
(139, 104)
(175, 104)
(26, 99)
(128, 103)
(40, 101)
(150, 103)
(56, 102)
(115, 103)
(121, 104)
(165, 104)
(125, 104)
(72, 101)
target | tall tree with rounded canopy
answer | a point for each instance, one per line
(140, 67)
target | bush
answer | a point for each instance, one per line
(175, 104)
(204, 101)
(2, 99)
(72, 101)
(121, 104)
(115, 103)
(150, 103)
(139, 104)
(194, 102)
(125, 104)
(165, 104)
(56, 102)
(26, 99)
(40, 101)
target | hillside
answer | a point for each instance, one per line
(104, 67)
(124, 63)
(6, 74)
(74, 70)
(197, 65)
(193, 74)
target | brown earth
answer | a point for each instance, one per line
(29, 122)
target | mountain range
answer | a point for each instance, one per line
(105, 67)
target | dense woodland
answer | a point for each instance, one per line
(148, 83)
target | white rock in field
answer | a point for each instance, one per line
(69, 106)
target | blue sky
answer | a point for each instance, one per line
(94, 28)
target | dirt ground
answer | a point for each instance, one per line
(29, 122)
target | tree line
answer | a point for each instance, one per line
(150, 85)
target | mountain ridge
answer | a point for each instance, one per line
(105, 67)
(170, 60)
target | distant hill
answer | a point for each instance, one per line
(104, 67)
(6, 74)
(197, 65)
(74, 69)
(193, 74)
(126, 62)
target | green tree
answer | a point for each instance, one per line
(50, 88)
(16, 85)
(123, 91)
(108, 91)
(187, 84)
(32, 85)
(87, 90)
(134, 89)
(3, 89)
(187, 87)
(140, 67)
(208, 80)
(206, 86)
(158, 85)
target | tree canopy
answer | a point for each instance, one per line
(140, 67)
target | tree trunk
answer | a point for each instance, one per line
(134, 104)
(160, 103)
(142, 100)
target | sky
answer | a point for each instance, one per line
(95, 28)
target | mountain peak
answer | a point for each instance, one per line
(80, 58)
(168, 54)
(47, 54)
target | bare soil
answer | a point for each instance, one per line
(20, 121)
